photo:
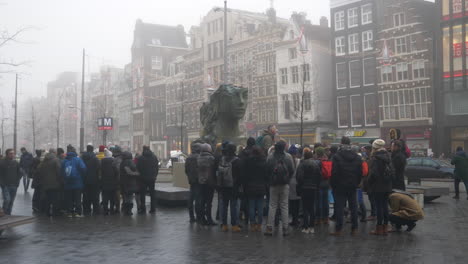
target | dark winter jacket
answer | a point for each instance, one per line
(268, 140)
(9, 173)
(272, 161)
(377, 182)
(109, 174)
(236, 175)
(93, 165)
(147, 165)
(34, 173)
(399, 163)
(191, 168)
(308, 176)
(255, 177)
(206, 168)
(73, 171)
(128, 173)
(49, 173)
(26, 161)
(346, 170)
(116, 163)
(461, 165)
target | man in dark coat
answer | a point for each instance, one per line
(36, 183)
(51, 182)
(345, 179)
(147, 165)
(460, 160)
(109, 183)
(191, 170)
(129, 182)
(25, 165)
(91, 181)
(399, 163)
(206, 169)
(10, 177)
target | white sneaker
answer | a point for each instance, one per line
(305, 230)
(311, 231)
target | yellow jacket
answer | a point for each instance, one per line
(405, 207)
(100, 155)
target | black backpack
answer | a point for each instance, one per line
(280, 173)
(389, 172)
(224, 173)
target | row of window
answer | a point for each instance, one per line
(412, 103)
(266, 113)
(305, 72)
(367, 40)
(294, 109)
(355, 73)
(353, 17)
(215, 50)
(401, 71)
(357, 110)
(215, 26)
(266, 87)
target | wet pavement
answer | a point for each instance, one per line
(167, 237)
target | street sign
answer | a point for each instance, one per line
(105, 123)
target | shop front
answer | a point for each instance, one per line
(359, 137)
(458, 138)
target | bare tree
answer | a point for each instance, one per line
(6, 38)
(58, 115)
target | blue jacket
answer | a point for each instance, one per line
(73, 170)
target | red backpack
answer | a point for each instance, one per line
(326, 169)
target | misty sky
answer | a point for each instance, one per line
(105, 28)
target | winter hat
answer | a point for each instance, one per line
(101, 148)
(292, 150)
(320, 151)
(378, 144)
(107, 153)
(250, 142)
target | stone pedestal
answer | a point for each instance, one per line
(179, 179)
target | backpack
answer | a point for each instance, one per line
(224, 173)
(326, 169)
(280, 173)
(365, 169)
(389, 172)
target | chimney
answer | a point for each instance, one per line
(324, 21)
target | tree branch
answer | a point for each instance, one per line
(5, 37)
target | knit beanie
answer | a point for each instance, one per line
(378, 144)
(101, 148)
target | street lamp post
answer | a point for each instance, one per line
(225, 79)
(82, 104)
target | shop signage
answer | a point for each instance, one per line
(355, 133)
(105, 123)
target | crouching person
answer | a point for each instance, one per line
(405, 211)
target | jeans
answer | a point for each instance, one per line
(51, 206)
(229, 200)
(147, 186)
(308, 204)
(457, 186)
(194, 201)
(256, 210)
(279, 197)
(322, 206)
(26, 179)
(73, 201)
(381, 206)
(9, 195)
(91, 198)
(109, 197)
(399, 222)
(128, 201)
(370, 196)
(207, 193)
(340, 202)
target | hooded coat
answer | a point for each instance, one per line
(109, 174)
(128, 173)
(461, 165)
(191, 168)
(9, 172)
(346, 170)
(404, 206)
(376, 181)
(255, 177)
(49, 173)
(399, 163)
(93, 165)
(147, 165)
(206, 165)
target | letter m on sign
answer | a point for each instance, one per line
(108, 122)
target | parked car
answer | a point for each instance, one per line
(424, 167)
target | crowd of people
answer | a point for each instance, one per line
(269, 178)
(265, 179)
(66, 184)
